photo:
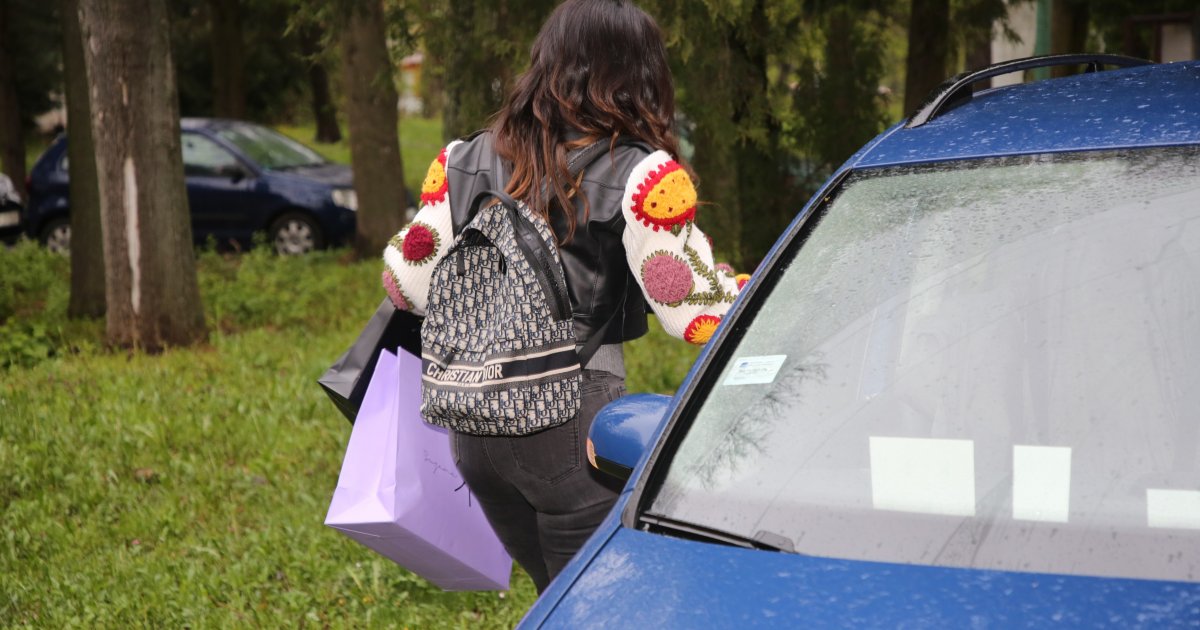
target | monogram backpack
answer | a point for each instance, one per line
(498, 348)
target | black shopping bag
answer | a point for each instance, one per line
(346, 380)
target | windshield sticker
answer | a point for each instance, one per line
(923, 475)
(1173, 509)
(755, 370)
(1041, 483)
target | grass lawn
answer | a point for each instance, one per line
(188, 489)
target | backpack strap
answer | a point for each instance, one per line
(588, 349)
(577, 161)
(534, 249)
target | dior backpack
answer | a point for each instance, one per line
(499, 354)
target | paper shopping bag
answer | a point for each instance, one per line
(346, 380)
(400, 494)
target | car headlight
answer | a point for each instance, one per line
(346, 198)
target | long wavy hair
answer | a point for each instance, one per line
(597, 68)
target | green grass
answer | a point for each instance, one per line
(35, 145)
(189, 488)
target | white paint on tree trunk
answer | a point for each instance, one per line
(132, 239)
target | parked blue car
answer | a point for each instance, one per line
(242, 178)
(960, 392)
(10, 210)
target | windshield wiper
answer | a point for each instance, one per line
(763, 539)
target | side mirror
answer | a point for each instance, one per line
(233, 172)
(623, 430)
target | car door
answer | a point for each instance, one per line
(221, 190)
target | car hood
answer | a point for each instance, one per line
(643, 580)
(336, 175)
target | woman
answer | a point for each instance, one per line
(598, 73)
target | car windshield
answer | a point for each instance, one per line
(987, 363)
(268, 148)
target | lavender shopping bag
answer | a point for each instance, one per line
(400, 494)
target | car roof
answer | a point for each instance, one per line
(1153, 105)
(193, 124)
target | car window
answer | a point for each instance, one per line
(269, 149)
(986, 364)
(203, 157)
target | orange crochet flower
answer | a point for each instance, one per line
(742, 279)
(701, 329)
(435, 186)
(666, 198)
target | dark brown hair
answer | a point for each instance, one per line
(597, 68)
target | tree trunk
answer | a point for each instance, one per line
(87, 240)
(762, 186)
(1068, 32)
(460, 78)
(324, 109)
(374, 140)
(979, 55)
(228, 59)
(150, 270)
(433, 86)
(12, 133)
(475, 78)
(928, 50)
(716, 156)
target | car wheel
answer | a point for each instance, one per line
(56, 236)
(295, 233)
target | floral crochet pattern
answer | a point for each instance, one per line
(742, 279)
(667, 278)
(435, 186)
(420, 243)
(725, 268)
(666, 198)
(701, 329)
(393, 290)
(716, 293)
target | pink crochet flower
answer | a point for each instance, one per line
(667, 279)
(726, 269)
(393, 290)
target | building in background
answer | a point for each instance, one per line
(410, 85)
(1051, 26)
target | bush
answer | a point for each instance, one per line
(260, 289)
(33, 305)
(240, 292)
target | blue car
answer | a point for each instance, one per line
(960, 392)
(10, 210)
(241, 178)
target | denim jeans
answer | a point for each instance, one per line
(538, 491)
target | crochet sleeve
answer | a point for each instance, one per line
(669, 255)
(409, 257)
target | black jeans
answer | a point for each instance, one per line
(538, 491)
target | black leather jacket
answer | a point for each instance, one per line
(594, 260)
